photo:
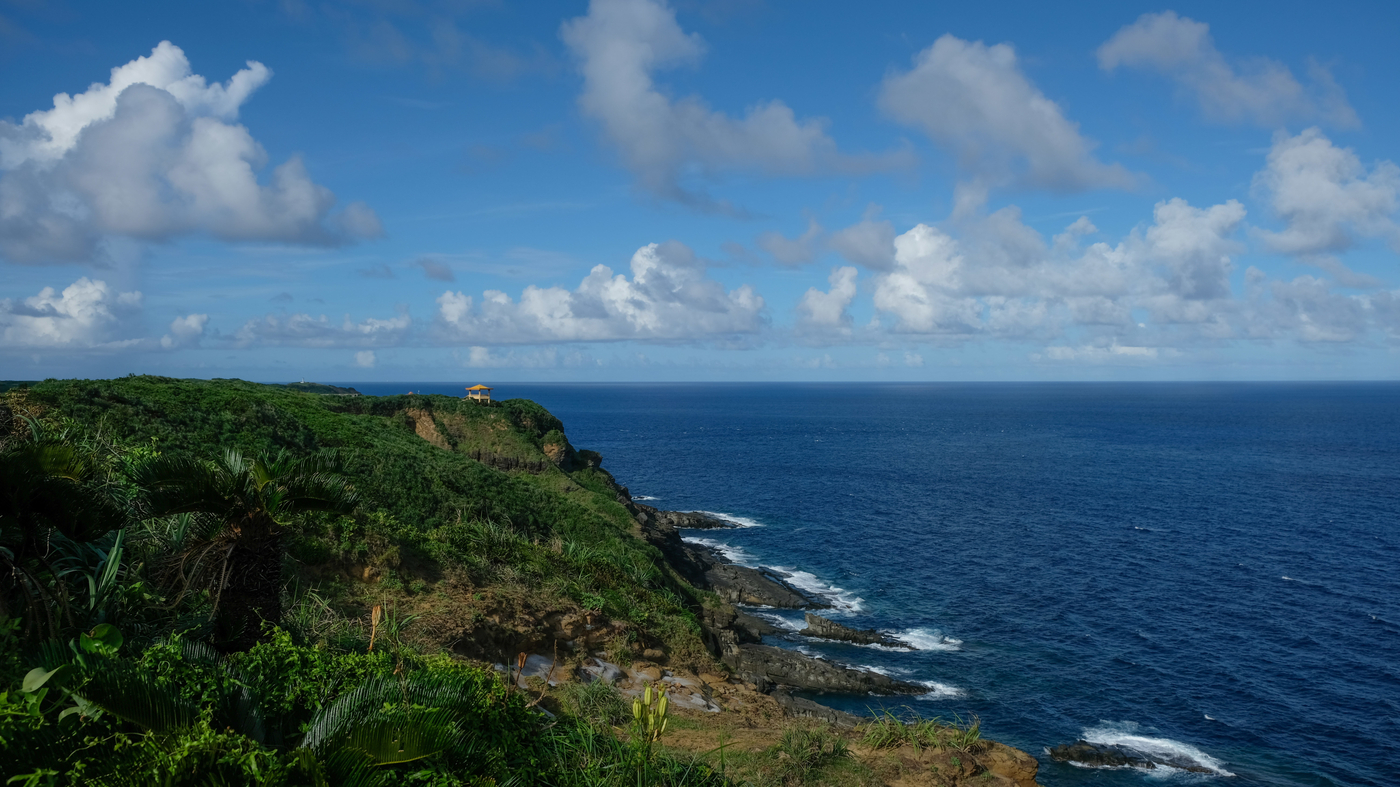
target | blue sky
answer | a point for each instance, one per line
(736, 190)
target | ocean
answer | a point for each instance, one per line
(1208, 571)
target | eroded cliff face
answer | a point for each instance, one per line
(425, 427)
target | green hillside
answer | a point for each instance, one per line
(475, 529)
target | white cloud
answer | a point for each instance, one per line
(1308, 310)
(975, 100)
(620, 44)
(922, 291)
(792, 251)
(303, 330)
(86, 315)
(668, 298)
(1326, 195)
(1193, 247)
(365, 359)
(1111, 353)
(545, 358)
(153, 154)
(998, 277)
(913, 359)
(827, 310)
(185, 331)
(868, 242)
(1257, 90)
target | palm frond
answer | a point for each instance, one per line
(123, 690)
(418, 734)
(350, 767)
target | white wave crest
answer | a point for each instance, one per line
(939, 691)
(737, 521)
(644, 497)
(929, 639)
(840, 599)
(777, 619)
(733, 554)
(1163, 750)
(889, 672)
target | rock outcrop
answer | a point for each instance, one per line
(692, 520)
(1101, 755)
(818, 626)
(1011, 764)
(767, 667)
(805, 708)
(703, 568)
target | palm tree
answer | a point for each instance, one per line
(236, 550)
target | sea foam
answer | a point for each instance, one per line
(929, 639)
(939, 691)
(1164, 751)
(840, 599)
(737, 521)
(736, 555)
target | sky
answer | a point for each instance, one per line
(746, 190)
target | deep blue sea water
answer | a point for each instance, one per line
(1207, 569)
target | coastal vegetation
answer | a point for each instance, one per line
(218, 582)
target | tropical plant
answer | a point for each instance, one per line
(46, 489)
(235, 548)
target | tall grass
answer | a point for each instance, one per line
(889, 731)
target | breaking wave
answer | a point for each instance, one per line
(840, 599)
(939, 691)
(1163, 751)
(737, 521)
(929, 639)
(736, 555)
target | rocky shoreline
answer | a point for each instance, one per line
(737, 637)
(763, 682)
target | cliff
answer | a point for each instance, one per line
(496, 538)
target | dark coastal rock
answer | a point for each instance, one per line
(766, 666)
(805, 708)
(743, 585)
(695, 520)
(818, 626)
(1102, 755)
(751, 628)
(703, 568)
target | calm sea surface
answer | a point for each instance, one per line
(1211, 571)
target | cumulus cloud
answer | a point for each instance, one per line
(922, 291)
(303, 330)
(1326, 195)
(152, 154)
(825, 311)
(185, 331)
(792, 251)
(620, 44)
(1255, 90)
(974, 99)
(86, 315)
(668, 298)
(867, 242)
(996, 276)
(365, 359)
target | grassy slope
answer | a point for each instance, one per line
(430, 509)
